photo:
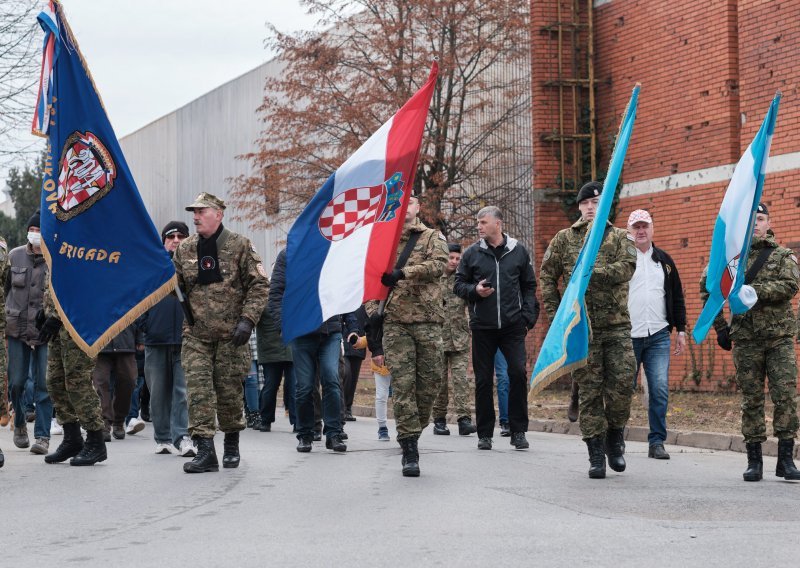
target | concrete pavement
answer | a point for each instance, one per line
(469, 507)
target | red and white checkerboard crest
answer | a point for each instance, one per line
(350, 210)
(86, 174)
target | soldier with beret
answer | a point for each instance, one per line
(224, 282)
(456, 340)
(762, 340)
(605, 382)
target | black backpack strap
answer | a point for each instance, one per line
(403, 258)
(762, 257)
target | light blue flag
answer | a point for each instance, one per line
(733, 230)
(566, 346)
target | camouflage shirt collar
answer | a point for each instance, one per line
(762, 242)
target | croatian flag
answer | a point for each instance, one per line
(566, 346)
(733, 231)
(347, 235)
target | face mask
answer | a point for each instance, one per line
(35, 238)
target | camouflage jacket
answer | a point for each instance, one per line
(217, 307)
(455, 331)
(775, 284)
(607, 294)
(418, 297)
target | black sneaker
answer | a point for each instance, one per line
(335, 443)
(485, 444)
(348, 416)
(317, 436)
(518, 441)
(304, 444)
(118, 431)
(505, 431)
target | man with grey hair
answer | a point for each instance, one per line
(496, 277)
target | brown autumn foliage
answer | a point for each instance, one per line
(337, 87)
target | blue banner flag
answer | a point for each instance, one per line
(566, 346)
(733, 230)
(107, 262)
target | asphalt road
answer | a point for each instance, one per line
(469, 507)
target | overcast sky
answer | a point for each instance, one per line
(150, 57)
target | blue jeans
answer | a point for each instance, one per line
(273, 373)
(501, 372)
(251, 388)
(21, 360)
(135, 399)
(653, 353)
(312, 352)
(167, 383)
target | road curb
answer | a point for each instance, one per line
(717, 441)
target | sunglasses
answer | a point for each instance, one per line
(176, 236)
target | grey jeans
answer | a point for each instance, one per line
(169, 409)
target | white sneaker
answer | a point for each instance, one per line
(162, 448)
(187, 448)
(135, 425)
(55, 428)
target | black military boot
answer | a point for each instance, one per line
(71, 445)
(94, 449)
(440, 427)
(230, 454)
(572, 411)
(410, 457)
(465, 426)
(615, 447)
(786, 468)
(755, 463)
(597, 458)
(206, 458)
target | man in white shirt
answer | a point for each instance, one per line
(656, 305)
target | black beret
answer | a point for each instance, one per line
(454, 247)
(174, 227)
(589, 190)
(762, 209)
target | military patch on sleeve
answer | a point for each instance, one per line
(793, 257)
(629, 237)
(631, 251)
(441, 236)
(547, 254)
(795, 272)
(252, 248)
(260, 268)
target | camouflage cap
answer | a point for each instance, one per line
(206, 200)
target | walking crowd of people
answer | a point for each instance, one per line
(191, 368)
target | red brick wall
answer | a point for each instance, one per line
(704, 67)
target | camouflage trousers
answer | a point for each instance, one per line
(775, 359)
(214, 372)
(69, 382)
(414, 357)
(456, 362)
(605, 382)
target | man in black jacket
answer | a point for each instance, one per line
(496, 277)
(656, 305)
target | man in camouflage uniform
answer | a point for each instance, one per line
(455, 340)
(69, 382)
(226, 286)
(412, 334)
(763, 344)
(605, 382)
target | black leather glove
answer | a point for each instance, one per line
(39, 319)
(241, 334)
(724, 339)
(49, 329)
(390, 279)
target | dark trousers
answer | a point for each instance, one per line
(353, 368)
(511, 342)
(115, 406)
